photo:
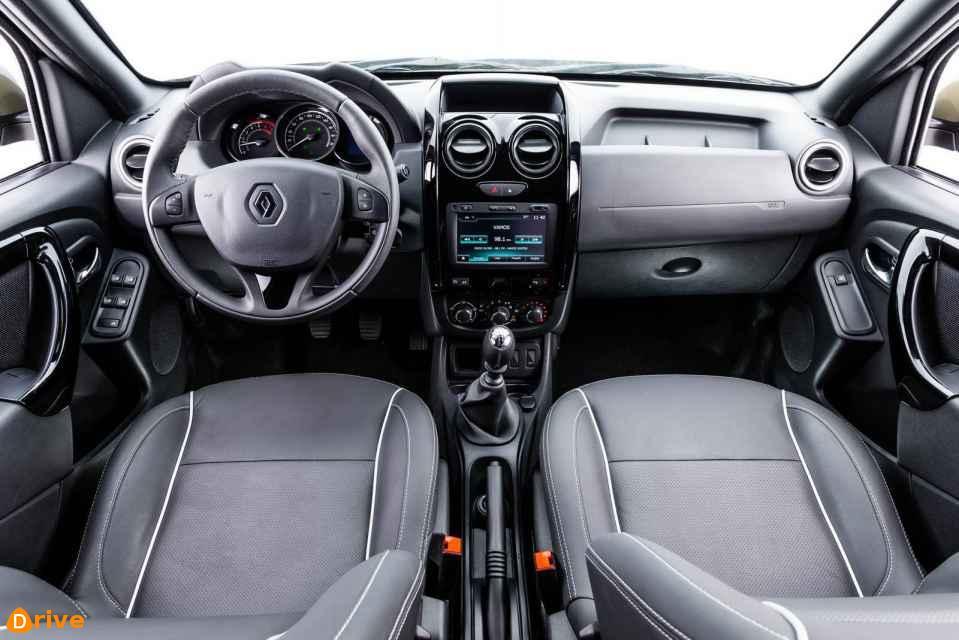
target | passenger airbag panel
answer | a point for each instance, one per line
(649, 196)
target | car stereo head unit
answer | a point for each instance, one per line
(501, 235)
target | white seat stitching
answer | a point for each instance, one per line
(902, 528)
(579, 487)
(376, 469)
(873, 501)
(564, 550)
(407, 605)
(819, 502)
(362, 597)
(701, 590)
(401, 532)
(593, 557)
(602, 448)
(427, 520)
(163, 508)
(113, 499)
(86, 527)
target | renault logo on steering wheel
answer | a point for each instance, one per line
(265, 204)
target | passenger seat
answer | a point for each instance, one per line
(696, 506)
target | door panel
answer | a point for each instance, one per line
(39, 342)
(902, 399)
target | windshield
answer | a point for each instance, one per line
(758, 41)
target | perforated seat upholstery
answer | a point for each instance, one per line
(263, 497)
(760, 492)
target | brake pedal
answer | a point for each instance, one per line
(320, 328)
(371, 327)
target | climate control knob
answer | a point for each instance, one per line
(536, 314)
(501, 315)
(463, 313)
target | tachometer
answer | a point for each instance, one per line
(309, 132)
(254, 139)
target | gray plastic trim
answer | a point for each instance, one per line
(637, 196)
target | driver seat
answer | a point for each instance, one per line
(305, 501)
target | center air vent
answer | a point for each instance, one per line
(469, 149)
(535, 150)
(821, 167)
(132, 160)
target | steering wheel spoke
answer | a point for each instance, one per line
(254, 289)
(174, 206)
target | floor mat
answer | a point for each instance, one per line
(713, 336)
(244, 351)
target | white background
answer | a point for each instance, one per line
(798, 41)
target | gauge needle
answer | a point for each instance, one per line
(258, 143)
(308, 138)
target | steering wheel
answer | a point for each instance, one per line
(274, 220)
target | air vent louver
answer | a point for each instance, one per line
(535, 150)
(132, 159)
(821, 167)
(469, 149)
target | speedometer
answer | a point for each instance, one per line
(309, 132)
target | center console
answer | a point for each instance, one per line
(498, 193)
(500, 189)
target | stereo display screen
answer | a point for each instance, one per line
(518, 238)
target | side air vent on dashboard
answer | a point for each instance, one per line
(535, 150)
(469, 149)
(821, 167)
(132, 160)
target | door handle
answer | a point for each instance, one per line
(78, 248)
(879, 260)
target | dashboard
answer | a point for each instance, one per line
(522, 191)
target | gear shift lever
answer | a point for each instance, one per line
(486, 405)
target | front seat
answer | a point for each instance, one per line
(297, 504)
(679, 504)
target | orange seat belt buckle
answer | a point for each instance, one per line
(452, 546)
(544, 561)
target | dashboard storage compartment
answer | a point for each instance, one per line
(735, 267)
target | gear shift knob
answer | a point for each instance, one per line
(498, 347)
(486, 411)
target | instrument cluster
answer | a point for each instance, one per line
(297, 130)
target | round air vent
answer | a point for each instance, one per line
(131, 160)
(535, 150)
(821, 167)
(469, 149)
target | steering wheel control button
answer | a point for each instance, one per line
(369, 205)
(265, 204)
(502, 189)
(174, 204)
(364, 199)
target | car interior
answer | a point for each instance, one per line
(434, 349)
